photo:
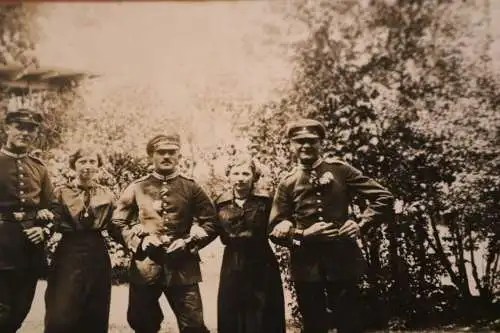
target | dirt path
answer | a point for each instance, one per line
(211, 261)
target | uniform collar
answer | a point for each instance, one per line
(11, 154)
(163, 178)
(313, 166)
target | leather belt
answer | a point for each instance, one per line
(18, 216)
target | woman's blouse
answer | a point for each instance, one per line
(82, 209)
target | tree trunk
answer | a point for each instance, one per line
(492, 271)
(438, 246)
(485, 291)
(460, 259)
(400, 293)
(421, 252)
(475, 273)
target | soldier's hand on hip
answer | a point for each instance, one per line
(45, 215)
(349, 228)
(323, 229)
(150, 241)
(35, 234)
(282, 229)
(177, 245)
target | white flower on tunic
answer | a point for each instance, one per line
(326, 178)
(157, 205)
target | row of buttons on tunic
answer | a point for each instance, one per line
(164, 205)
(21, 182)
(319, 201)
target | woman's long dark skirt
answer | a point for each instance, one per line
(250, 300)
(78, 292)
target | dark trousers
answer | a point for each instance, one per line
(17, 289)
(144, 312)
(78, 292)
(343, 297)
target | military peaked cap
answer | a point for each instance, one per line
(24, 115)
(168, 141)
(305, 129)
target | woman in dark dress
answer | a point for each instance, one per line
(250, 296)
(78, 291)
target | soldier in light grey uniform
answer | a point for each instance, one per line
(165, 258)
(310, 216)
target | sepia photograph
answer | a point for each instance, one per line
(250, 166)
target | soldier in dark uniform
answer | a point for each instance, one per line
(25, 196)
(165, 258)
(310, 216)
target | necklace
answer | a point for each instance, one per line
(85, 196)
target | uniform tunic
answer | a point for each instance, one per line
(324, 193)
(326, 272)
(79, 283)
(250, 296)
(25, 188)
(168, 207)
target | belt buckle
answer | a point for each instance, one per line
(18, 216)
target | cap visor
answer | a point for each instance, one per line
(167, 146)
(305, 136)
(24, 121)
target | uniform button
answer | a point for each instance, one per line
(320, 218)
(318, 201)
(21, 175)
(318, 193)
(164, 197)
(164, 183)
(21, 192)
(23, 200)
(18, 161)
(21, 183)
(320, 209)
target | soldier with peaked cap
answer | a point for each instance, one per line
(155, 218)
(25, 196)
(310, 216)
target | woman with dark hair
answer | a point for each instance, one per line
(250, 298)
(78, 291)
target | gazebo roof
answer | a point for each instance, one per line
(17, 80)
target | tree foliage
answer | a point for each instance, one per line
(17, 38)
(405, 100)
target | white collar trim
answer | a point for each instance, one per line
(11, 154)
